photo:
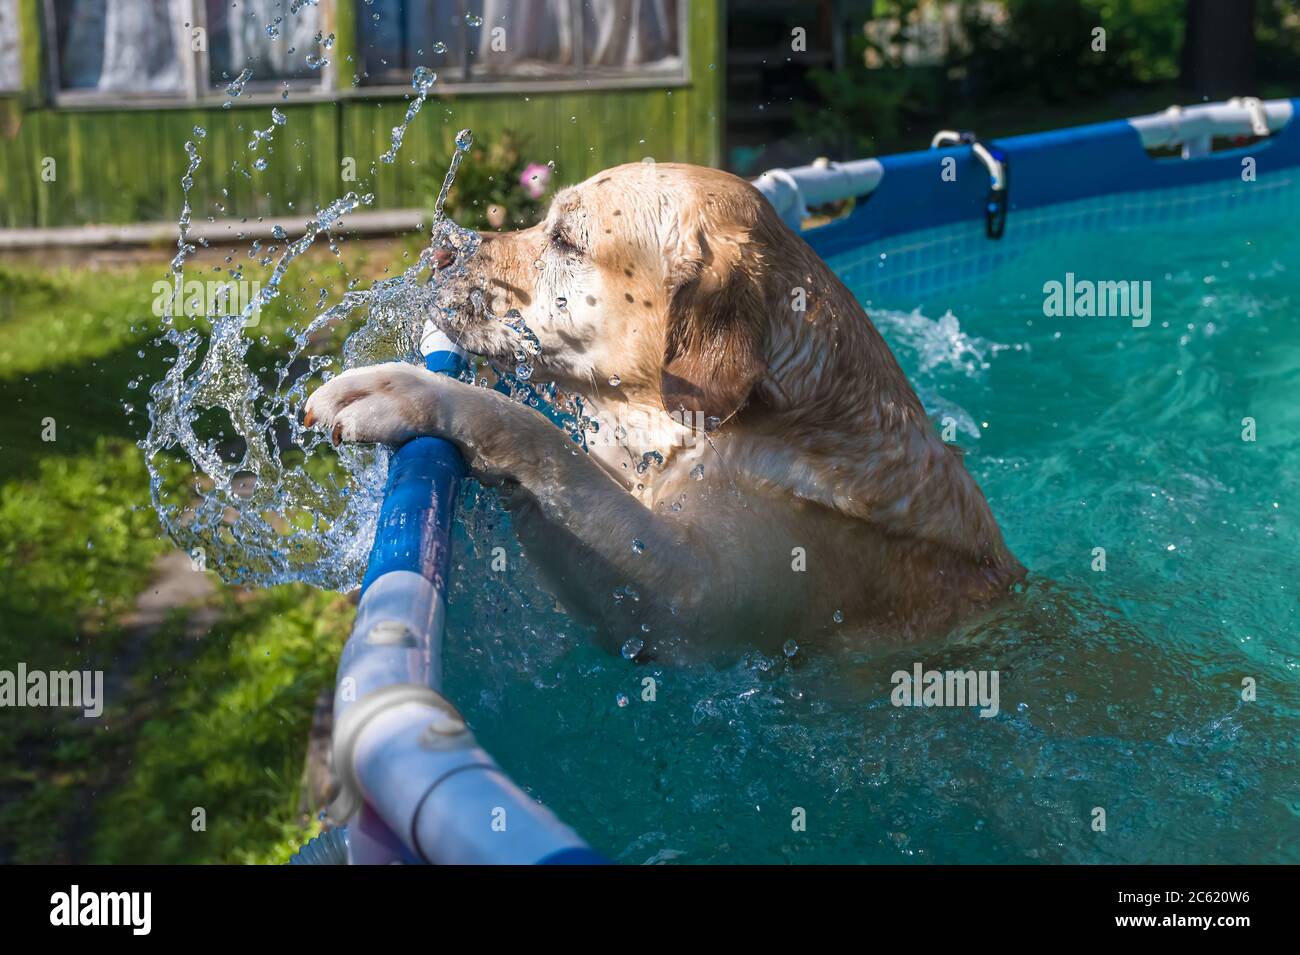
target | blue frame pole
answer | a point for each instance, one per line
(417, 783)
(424, 475)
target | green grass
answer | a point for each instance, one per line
(227, 736)
(218, 723)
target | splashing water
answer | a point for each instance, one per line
(422, 80)
(260, 505)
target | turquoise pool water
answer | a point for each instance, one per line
(1120, 689)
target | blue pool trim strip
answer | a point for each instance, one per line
(387, 690)
(1045, 169)
(414, 527)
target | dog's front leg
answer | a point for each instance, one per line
(593, 536)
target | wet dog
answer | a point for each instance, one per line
(766, 473)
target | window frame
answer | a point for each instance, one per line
(574, 82)
(195, 65)
(17, 88)
(330, 88)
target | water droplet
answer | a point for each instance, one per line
(236, 85)
(278, 117)
(838, 616)
(473, 20)
(621, 700)
(638, 546)
(279, 233)
(697, 473)
(422, 79)
(260, 163)
(439, 47)
(632, 648)
(648, 459)
(615, 381)
(790, 648)
(200, 132)
(561, 303)
(464, 140)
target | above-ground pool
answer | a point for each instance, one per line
(1124, 690)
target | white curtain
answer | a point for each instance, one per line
(631, 33)
(11, 70)
(538, 35)
(131, 46)
(269, 57)
(526, 37)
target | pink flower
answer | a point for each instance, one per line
(535, 179)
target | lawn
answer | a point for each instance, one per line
(199, 753)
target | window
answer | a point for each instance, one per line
(115, 51)
(485, 41)
(119, 46)
(395, 37)
(275, 39)
(620, 36)
(155, 52)
(11, 67)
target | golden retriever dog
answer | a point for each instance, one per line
(763, 472)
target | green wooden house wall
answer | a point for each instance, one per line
(125, 165)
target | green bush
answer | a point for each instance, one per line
(1045, 47)
(1277, 35)
(488, 192)
(1015, 56)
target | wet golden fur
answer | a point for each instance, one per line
(681, 284)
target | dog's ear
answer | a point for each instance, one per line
(713, 350)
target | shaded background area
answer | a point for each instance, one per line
(586, 84)
(882, 76)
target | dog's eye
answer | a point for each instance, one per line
(560, 241)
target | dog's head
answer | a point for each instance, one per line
(645, 282)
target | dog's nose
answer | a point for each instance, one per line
(443, 257)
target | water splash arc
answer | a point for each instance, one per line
(236, 480)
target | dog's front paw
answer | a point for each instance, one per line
(386, 404)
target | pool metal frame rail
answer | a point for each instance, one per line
(905, 192)
(416, 786)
